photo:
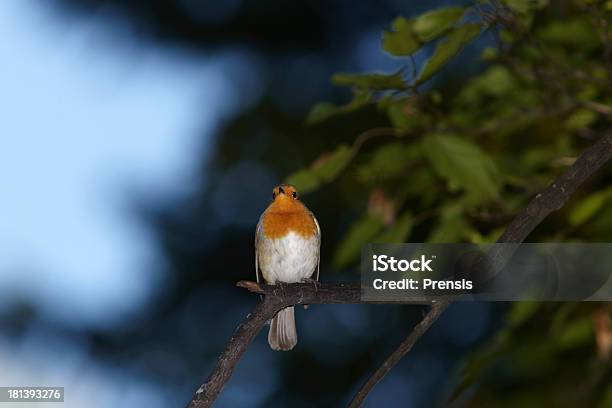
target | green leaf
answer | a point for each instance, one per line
(447, 49)
(489, 54)
(576, 33)
(387, 161)
(407, 36)
(402, 41)
(398, 232)
(404, 113)
(421, 180)
(575, 333)
(304, 180)
(325, 110)
(521, 312)
(360, 233)
(398, 116)
(374, 82)
(526, 6)
(463, 164)
(560, 318)
(326, 168)
(451, 226)
(497, 82)
(433, 24)
(601, 225)
(580, 119)
(589, 206)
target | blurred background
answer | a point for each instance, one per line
(139, 143)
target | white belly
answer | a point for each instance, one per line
(289, 259)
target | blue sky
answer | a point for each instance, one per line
(88, 118)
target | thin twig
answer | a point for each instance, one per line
(371, 134)
(404, 347)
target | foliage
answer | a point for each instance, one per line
(459, 159)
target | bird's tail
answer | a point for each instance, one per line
(282, 335)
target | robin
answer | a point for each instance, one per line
(287, 247)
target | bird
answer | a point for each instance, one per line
(287, 250)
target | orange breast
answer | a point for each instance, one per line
(283, 218)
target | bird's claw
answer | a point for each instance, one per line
(315, 282)
(282, 286)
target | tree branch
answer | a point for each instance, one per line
(276, 297)
(551, 199)
(404, 347)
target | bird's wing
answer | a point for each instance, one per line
(316, 276)
(258, 232)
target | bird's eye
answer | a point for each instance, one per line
(273, 195)
(294, 194)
